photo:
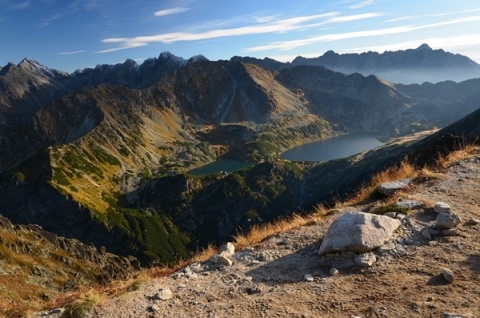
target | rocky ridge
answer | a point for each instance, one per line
(411, 275)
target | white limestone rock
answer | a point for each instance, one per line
(358, 232)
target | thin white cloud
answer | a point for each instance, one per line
(21, 5)
(412, 17)
(289, 45)
(71, 52)
(171, 11)
(271, 25)
(49, 21)
(362, 4)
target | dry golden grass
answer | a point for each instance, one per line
(429, 174)
(404, 170)
(466, 152)
(259, 232)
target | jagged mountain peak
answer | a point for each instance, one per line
(198, 58)
(33, 66)
(424, 47)
(172, 58)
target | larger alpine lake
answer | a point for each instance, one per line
(332, 148)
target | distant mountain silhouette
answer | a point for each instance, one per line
(419, 65)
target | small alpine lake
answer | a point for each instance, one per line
(332, 148)
(220, 165)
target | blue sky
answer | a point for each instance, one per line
(70, 35)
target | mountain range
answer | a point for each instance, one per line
(410, 66)
(102, 154)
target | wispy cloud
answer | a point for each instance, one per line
(289, 45)
(21, 5)
(49, 20)
(259, 26)
(362, 4)
(171, 11)
(424, 16)
(71, 52)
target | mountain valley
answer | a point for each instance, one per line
(101, 155)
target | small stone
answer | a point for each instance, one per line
(334, 271)
(163, 294)
(400, 216)
(308, 278)
(442, 207)
(473, 221)
(408, 204)
(447, 220)
(228, 248)
(253, 290)
(426, 234)
(176, 275)
(451, 232)
(391, 214)
(153, 308)
(365, 260)
(448, 275)
(222, 259)
(409, 241)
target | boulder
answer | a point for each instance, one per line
(389, 188)
(358, 232)
(442, 207)
(447, 220)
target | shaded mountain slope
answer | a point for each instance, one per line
(99, 161)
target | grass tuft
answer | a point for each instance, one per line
(80, 307)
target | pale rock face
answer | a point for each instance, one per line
(358, 232)
(389, 188)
